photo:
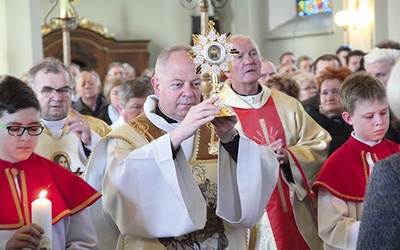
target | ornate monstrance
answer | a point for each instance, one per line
(212, 54)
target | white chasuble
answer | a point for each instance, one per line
(64, 151)
(197, 200)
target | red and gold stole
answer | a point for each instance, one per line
(264, 126)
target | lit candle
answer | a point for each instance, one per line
(41, 216)
(63, 8)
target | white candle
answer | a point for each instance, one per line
(41, 216)
(64, 8)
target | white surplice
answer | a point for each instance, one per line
(150, 195)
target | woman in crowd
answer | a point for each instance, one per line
(285, 84)
(111, 90)
(329, 115)
(304, 64)
(307, 85)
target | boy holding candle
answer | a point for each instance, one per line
(24, 174)
(342, 181)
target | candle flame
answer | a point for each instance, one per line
(43, 194)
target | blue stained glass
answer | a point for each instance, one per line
(312, 7)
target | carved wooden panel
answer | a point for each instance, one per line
(91, 49)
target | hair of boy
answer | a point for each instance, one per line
(16, 95)
(331, 72)
(138, 87)
(49, 65)
(358, 88)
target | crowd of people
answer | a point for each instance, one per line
(308, 161)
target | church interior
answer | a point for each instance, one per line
(259, 128)
(146, 27)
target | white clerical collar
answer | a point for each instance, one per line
(369, 143)
(253, 100)
(55, 127)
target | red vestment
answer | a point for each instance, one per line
(307, 145)
(345, 173)
(279, 208)
(68, 193)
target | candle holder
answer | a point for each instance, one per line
(71, 17)
(213, 54)
(68, 20)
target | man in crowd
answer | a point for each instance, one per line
(91, 101)
(115, 69)
(268, 116)
(355, 60)
(324, 61)
(131, 98)
(268, 69)
(342, 52)
(287, 57)
(130, 71)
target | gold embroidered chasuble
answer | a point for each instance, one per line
(203, 164)
(65, 150)
(140, 132)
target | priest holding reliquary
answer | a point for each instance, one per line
(181, 176)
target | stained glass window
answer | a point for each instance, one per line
(312, 7)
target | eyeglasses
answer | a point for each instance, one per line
(20, 130)
(50, 92)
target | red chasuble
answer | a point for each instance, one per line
(345, 173)
(264, 131)
(68, 193)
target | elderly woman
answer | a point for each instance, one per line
(111, 90)
(329, 115)
(307, 85)
(285, 84)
